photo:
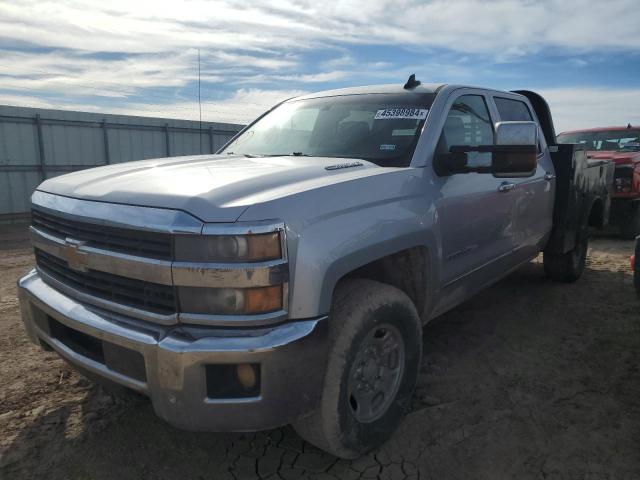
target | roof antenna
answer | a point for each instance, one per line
(412, 82)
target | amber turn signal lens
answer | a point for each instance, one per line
(263, 300)
(264, 246)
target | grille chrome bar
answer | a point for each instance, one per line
(156, 303)
(231, 275)
(142, 244)
(139, 268)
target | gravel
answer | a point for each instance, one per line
(528, 380)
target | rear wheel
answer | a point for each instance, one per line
(630, 226)
(374, 356)
(567, 267)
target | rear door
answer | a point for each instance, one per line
(533, 195)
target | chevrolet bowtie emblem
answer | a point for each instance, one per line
(76, 259)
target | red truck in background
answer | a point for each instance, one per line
(622, 146)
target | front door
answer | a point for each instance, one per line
(475, 211)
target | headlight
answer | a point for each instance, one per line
(231, 301)
(236, 273)
(228, 248)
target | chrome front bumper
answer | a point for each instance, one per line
(292, 359)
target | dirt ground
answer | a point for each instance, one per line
(529, 380)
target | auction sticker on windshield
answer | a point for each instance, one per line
(404, 113)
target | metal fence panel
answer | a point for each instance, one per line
(36, 144)
(126, 145)
(73, 145)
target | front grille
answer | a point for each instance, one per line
(623, 172)
(139, 294)
(123, 240)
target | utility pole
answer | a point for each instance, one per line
(199, 106)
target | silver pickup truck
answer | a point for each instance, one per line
(286, 279)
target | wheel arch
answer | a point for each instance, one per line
(410, 269)
(596, 217)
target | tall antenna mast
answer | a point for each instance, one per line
(199, 105)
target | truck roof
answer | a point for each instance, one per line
(388, 88)
(601, 129)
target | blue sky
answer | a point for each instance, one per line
(140, 57)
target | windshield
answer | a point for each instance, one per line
(609, 140)
(381, 128)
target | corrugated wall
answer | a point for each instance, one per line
(36, 144)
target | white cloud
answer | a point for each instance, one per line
(502, 27)
(128, 54)
(242, 107)
(69, 72)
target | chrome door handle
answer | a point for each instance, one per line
(506, 187)
(549, 176)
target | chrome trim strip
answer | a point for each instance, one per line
(107, 304)
(117, 215)
(230, 275)
(130, 266)
(233, 320)
(242, 228)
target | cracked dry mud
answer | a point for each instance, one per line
(530, 379)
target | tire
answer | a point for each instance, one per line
(366, 317)
(630, 226)
(567, 267)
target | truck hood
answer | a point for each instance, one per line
(214, 188)
(619, 158)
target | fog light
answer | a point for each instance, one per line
(233, 380)
(246, 375)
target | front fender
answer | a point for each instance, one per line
(330, 249)
(334, 229)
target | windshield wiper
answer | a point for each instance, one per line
(248, 155)
(292, 154)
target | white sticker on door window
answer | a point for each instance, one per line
(406, 113)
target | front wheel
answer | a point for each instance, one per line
(374, 357)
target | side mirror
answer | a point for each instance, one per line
(513, 155)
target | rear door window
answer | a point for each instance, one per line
(513, 110)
